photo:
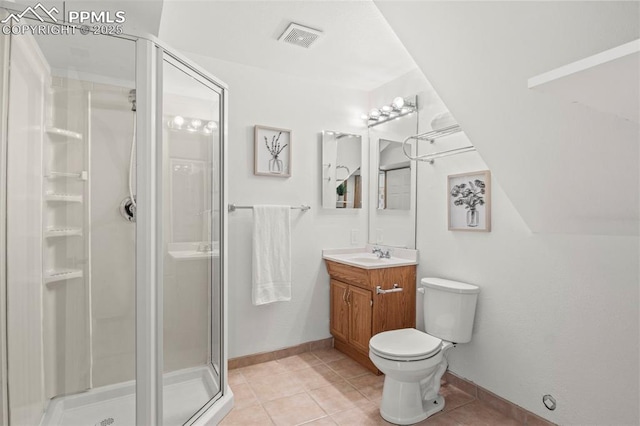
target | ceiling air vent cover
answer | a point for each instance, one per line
(300, 35)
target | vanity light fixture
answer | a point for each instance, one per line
(398, 108)
(191, 125)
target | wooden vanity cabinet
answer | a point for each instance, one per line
(358, 312)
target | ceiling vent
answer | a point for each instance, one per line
(300, 35)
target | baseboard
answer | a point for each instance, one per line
(499, 404)
(247, 360)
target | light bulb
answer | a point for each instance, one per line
(374, 113)
(398, 102)
(196, 123)
(387, 108)
(212, 125)
(178, 121)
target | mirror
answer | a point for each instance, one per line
(394, 176)
(392, 205)
(341, 170)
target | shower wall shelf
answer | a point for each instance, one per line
(66, 198)
(63, 232)
(62, 135)
(432, 136)
(62, 175)
(66, 246)
(62, 275)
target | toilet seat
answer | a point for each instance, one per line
(407, 344)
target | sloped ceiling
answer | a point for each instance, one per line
(566, 167)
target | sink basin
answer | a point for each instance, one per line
(365, 259)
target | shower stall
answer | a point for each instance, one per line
(112, 231)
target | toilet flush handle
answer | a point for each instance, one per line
(421, 290)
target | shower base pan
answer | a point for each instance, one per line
(185, 392)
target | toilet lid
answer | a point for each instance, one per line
(407, 344)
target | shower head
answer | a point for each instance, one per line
(132, 99)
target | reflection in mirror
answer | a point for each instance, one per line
(392, 206)
(341, 170)
(394, 176)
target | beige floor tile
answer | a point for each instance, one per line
(316, 377)
(276, 386)
(298, 362)
(243, 396)
(347, 368)
(364, 415)
(248, 416)
(324, 421)
(369, 385)
(454, 397)
(294, 410)
(338, 396)
(440, 419)
(365, 380)
(478, 414)
(326, 388)
(329, 355)
(259, 371)
(235, 377)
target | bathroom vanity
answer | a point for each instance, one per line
(369, 295)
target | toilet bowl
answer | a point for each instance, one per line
(414, 361)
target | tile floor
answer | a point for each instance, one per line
(325, 387)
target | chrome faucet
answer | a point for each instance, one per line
(205, 247)
(380, 253)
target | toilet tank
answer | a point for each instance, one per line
(449, 309)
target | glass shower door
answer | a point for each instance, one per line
(192, 314)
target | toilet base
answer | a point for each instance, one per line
(429, 408)
(402, 402)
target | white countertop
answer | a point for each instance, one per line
(193, 251)
(362, 257)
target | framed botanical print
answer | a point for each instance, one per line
(469, 201)
(272, 152)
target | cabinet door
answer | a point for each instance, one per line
(339, 319)
(394, 310)
(360, 318)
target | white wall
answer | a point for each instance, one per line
(267, 98)
(480, 54)
(112, 237)
(557, 313)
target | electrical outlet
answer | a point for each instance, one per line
(355, 234)
(379, 236)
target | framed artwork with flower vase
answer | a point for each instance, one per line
(469, 201)
(272, 152)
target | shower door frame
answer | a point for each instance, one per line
(149, 58)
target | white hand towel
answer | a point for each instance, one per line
(271, 254)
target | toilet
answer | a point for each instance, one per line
(414, 361)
